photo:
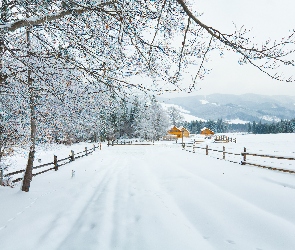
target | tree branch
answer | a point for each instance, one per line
(34, 21)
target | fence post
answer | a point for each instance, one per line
(72, 155)
(194, 150)
(223, 157)
(244, 157)
(207, 150)
(100, 146)
(86, 153)
(93, 147)
(55, 163)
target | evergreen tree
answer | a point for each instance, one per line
(176, 119)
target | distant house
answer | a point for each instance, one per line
(178, 132)
(185, 132)
(206, 131)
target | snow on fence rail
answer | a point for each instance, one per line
(223, 138)
(117, 142)
(246, 158)
(55, 164)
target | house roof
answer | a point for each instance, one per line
(206, 131)
(174, 128)
(183, 128)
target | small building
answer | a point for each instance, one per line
(206, 131)
(186, 133)
(178, 132)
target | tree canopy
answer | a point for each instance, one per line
(108, 41)
(66, 63)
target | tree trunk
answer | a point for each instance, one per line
(2, 49)
(3, 12)
(28, 174)
(95, 137)
(2, 75)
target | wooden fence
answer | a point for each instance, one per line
(240, 158)
(224, 138)
(124, 142)
(54, 165)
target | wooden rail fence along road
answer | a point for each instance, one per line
(117, 142)
(54, 165)
(223, 139)
(240, 158)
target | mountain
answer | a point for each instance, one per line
(187, 116)
(237, 108)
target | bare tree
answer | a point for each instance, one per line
(122, 24)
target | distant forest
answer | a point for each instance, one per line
(219, 126)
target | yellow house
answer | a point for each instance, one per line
(206, 131)
(178, 132)
(185, 131)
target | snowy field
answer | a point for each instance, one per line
(277, 145)
(155, 197)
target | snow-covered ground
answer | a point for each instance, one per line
(268, 144)
(155, 197)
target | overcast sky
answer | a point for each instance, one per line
(267, 19)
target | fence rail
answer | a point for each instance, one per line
(56, 163)
(224, 138)
(241, 158)
(126, 143)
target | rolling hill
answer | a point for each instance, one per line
(239, 108)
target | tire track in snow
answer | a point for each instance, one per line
(56, 228)
(95, 226)
(157, 221)
(129, 212)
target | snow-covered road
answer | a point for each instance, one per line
(151, 197)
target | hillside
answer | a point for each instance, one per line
(247, 107)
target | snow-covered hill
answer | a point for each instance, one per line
(233, 108)
(187, 116)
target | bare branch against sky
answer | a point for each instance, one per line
(267, 20)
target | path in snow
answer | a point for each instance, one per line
(151, 197)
